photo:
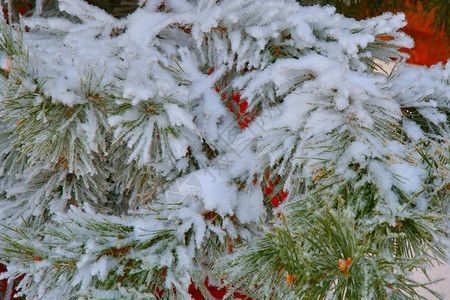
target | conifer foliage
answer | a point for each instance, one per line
(139, 156)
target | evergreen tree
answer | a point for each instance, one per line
(141, 155)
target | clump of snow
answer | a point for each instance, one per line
(215, 191)
(413, 130)
(250, 206)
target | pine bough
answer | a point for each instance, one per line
(135, 153)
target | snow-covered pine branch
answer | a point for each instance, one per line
(137, 152)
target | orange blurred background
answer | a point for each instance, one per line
(431, 47)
